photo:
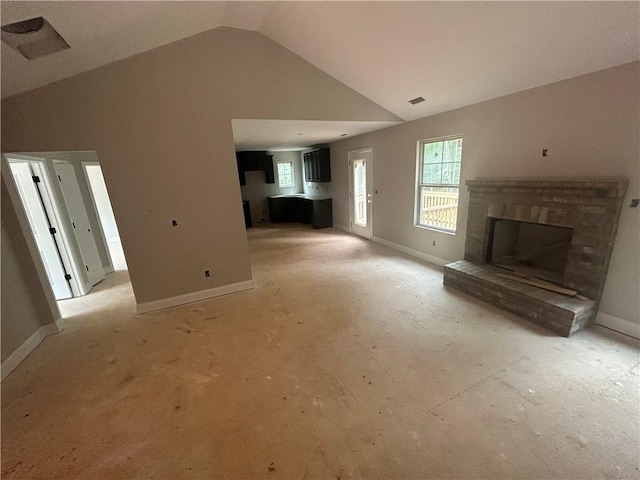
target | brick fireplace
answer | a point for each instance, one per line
(557, 231)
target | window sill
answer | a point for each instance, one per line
(435, 229)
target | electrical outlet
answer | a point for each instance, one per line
(174, 223)
(434, 243)
(207, 273)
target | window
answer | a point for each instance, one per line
(285, 174)
(438, 183)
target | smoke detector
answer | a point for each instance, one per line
(33, 38)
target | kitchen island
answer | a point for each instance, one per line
(300, 208)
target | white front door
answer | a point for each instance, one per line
(80, 221)
(360, 186)
(40, 225)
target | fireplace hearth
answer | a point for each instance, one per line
(556, 231)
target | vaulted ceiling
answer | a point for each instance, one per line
(451, 53)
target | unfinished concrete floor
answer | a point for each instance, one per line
(348, 360)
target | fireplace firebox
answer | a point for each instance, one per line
(533, 249)
(556, 231)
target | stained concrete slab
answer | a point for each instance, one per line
(348, 360)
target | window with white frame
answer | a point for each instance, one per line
(438, 183)
(286, 174)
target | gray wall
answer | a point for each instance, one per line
(257, 190)
(590, 125)
(26, 305)
(160, 123)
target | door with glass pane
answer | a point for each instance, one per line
(360, 185)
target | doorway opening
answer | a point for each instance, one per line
(360, 192)
(36, 196)
(67, 209)
(102, 203)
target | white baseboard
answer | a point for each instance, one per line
(441, 262)
(618, 324)
(194, 296)
(84, 288)
(27, 347)
(341, 227)
(59, 325)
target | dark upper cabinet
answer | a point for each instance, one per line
(241, 175)
(269, 174)
(251, 161)
(317, 165)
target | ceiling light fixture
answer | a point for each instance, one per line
(416, 100)
(33, 38)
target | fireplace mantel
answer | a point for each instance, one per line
(614, 187)
(590, 207)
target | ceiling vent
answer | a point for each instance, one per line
(416, 100)
(33, 38)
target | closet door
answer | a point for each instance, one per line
(80, 221)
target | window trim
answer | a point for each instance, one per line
(418, 185)
(293, 173)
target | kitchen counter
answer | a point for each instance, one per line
(301, 208)
(303, 195)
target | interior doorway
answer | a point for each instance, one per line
(35, 196)
(64, 203)
(360, 192)
(78, 212)
(102, 203)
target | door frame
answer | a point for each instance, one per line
(32, 248)
(51, 206)
(110, 268)
(65, 202)
(369, 180)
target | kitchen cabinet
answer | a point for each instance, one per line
(317, 165)
(246, 208)
(255, 160)
(269, 174)
(317, 211)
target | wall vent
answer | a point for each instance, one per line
(33, 38)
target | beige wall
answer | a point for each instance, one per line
(160, 123)
(257, 190)
(25, 304)
(590, 124)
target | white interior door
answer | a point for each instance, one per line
(360, 187)
(80, 221)
(38, 220)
